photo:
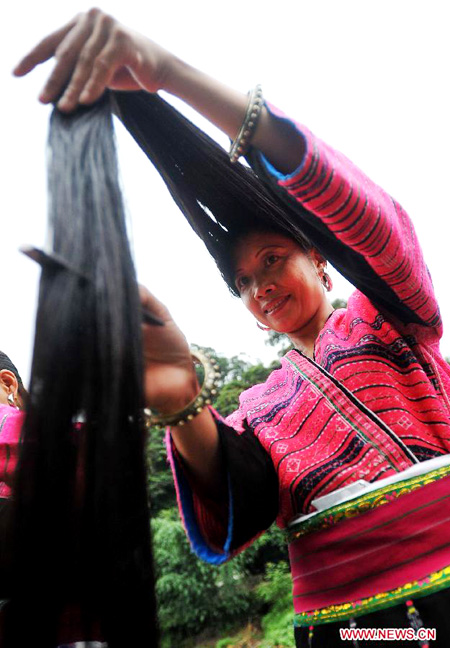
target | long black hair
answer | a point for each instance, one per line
(222, 202)
(81, 515)
(82, 550)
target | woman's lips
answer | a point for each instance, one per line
(275, 306)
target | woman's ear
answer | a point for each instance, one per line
(319, 261)
(9, 383)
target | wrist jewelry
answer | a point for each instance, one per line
(203, 398)
(245, 135)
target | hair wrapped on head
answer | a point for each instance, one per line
(221, 201)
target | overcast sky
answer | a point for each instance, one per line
(369, 77)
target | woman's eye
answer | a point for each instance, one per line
(242, 282)
(271, 259)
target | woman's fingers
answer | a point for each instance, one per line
(85, 63)
(112, 57)
(43, 50)
(94, 52)
(67, 57)
(88, 51)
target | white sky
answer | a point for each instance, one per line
(369, 77)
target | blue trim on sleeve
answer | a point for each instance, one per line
(198, 543)
(269, 167)
(273, 171)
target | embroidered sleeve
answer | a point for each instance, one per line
(11, 421)
(217, 531)
(363, 232)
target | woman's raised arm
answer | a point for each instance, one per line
(94, 52)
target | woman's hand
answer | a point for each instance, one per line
(170, 381)
(94, 52)
(170, 384)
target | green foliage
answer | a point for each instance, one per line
(159, 476)
(192, 594)
(275, 595)
(228, 397)
(227, 642)
(339, 303)
(274, 338)
(270, 547)
(248, 637)
(278, 629)
(276, 587)
(276, 590)
(230, 368)
(280, 340)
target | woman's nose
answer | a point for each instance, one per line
(262, 289)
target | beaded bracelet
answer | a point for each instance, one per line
(244, 137)
(203, 398)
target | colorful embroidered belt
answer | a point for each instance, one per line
(373, 551)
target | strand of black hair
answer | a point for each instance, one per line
(82, 546)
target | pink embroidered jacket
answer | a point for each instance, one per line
(11, 421)
(384, 349)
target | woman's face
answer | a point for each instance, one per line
(279, 283)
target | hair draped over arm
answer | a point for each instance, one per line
(221, 201)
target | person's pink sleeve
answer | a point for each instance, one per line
(11, 421)
(219, 530)
(357, 226)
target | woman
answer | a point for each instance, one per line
(12, 400)
(356, 422)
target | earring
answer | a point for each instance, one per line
(12, 400)
(263, 328)
(327, 283)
